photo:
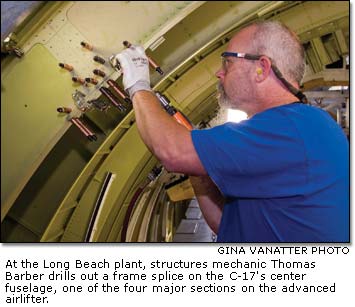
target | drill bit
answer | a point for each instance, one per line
(91, 80)
(79, 80)
(151, 61)
(64, 110)
(99, 59)
(66, 66)
(99, 72)
(87, 46)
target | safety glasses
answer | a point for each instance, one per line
(277, 72)
(226, 61)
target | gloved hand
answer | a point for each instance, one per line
(135, 68)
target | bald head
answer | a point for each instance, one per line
(242, 41)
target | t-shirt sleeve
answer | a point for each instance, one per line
(254, 158)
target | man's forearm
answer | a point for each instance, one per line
(155, 126)
(210, 199)
(169, 141)
(172, 144)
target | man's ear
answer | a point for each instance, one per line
(263, 68)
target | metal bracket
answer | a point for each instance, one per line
(99, 104)
(114, 63)
(79, 99)
(9, 45)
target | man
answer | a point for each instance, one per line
(280, 176)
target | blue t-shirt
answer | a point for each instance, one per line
(284, 174)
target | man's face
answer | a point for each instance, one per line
(235, 86)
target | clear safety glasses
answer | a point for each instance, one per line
(227, 62)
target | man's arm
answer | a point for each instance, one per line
(169, 141)
(172, 144)
(210, 200)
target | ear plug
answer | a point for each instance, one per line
(259, 71)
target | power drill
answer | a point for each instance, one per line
(179, 117)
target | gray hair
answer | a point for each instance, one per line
(278, 42)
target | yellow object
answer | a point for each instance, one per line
(181, 191)
(259, 71)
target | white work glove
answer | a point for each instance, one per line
(135, 68)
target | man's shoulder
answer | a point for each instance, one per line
(292, 109)
(286, 119)
(294, 114)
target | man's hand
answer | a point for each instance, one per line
(135, 68)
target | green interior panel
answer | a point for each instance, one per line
(195, 85)
(58, 223)
(52, 175)
(37, 203)
(126, 159)
(39, 200)
(12, 231)
(32, 88)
